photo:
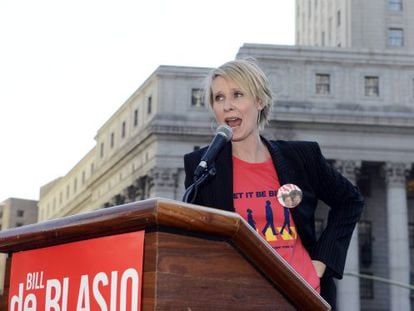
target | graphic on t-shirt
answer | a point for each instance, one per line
(269, 219)
(250, 219)
(286, 222)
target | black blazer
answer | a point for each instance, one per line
(302, 164)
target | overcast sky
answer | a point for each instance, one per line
(67, 66)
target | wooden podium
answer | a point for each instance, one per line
(195, 258)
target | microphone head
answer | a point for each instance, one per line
(225, 131)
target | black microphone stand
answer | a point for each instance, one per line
(198, 181)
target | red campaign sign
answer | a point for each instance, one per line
(98, 274)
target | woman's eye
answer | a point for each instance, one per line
(238, 94)
(218, 98)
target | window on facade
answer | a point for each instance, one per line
(395, 37)
(338, 18)
(136, 117)
(412, 87)
(123, 130)
(67, 191)
(395, 5)
(20, 213)
(83, 177)
(371, 86)
(112, 139)
(75, 185)
(197, 99)
(322, 84)
(101, 152)
(60, 197)
(366, 286)
(19, 224)
(365, 242)
(149, 105)
(411, 234)
(92, 168)
(411, 282)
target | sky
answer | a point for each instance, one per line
(66, 66)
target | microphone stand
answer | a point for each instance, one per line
(193, 189)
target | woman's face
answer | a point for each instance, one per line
(235, 107)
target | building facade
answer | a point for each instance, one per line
(368, 24)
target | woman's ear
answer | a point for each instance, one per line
(259, 105)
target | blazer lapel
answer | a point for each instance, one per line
(223, 181)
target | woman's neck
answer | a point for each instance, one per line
(252, 150)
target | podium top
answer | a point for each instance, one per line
(159, 213)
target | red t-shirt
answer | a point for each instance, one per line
(255, 188)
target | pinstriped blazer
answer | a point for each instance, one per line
(300, 163)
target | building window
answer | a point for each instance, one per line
(338, 18)
(395, 5)
(92, 168)
(136, 117)
(19, 224)
(197, 99)
(366, 286)
(371, 86)
(123, 129)
(322, 84)
(112, 140)
(101, 152)
(67, 191)
(20, 213)
(75, 185)
(365, 242)
(395, 37)
(60, 197)
(83, 177)
(411, 234)
(149, 105)
(412, 87)
(411, 282)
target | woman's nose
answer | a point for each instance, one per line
(228, 104)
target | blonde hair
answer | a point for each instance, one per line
(247, 74)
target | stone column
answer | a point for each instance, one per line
(398, 243)
(348, 287)
(163, 182)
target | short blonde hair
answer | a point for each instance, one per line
(247, 74)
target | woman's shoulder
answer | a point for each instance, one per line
(196, 154)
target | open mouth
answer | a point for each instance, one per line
(233, 122)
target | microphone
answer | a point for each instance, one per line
(224, 133)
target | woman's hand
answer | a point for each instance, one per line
(320, 267)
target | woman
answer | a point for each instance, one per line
(250, 170)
